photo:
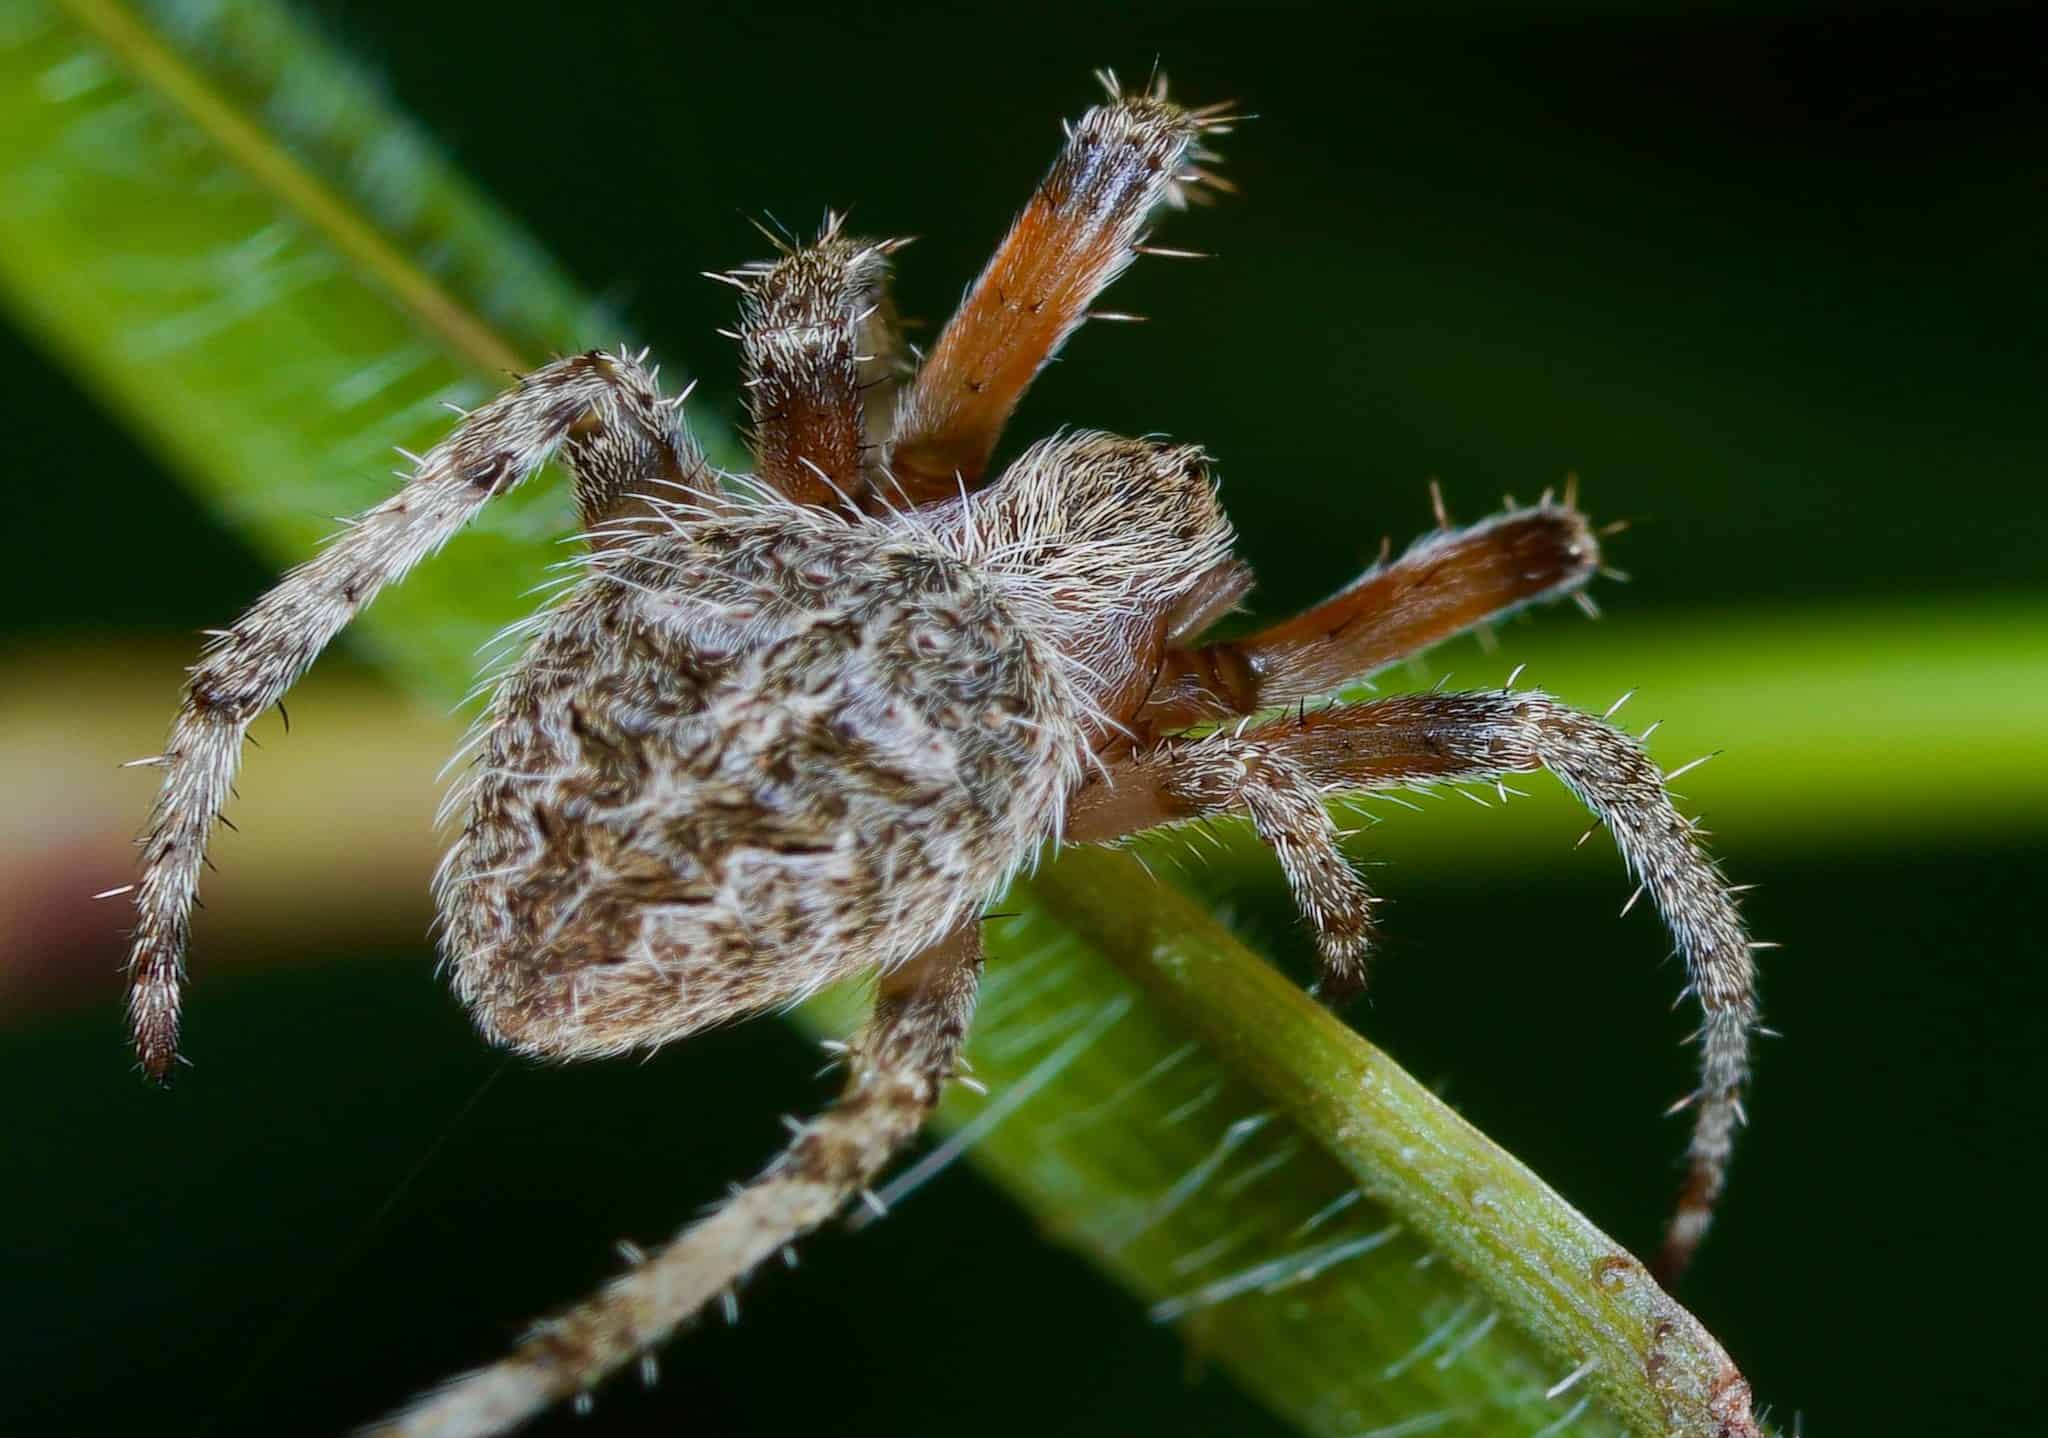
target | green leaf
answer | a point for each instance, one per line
(313, 283)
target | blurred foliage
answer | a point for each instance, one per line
(275, 362)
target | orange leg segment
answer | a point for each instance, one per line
(1080, 230)
(1446, 583)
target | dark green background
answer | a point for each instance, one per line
(1771, 283)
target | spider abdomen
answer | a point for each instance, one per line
(746, 757)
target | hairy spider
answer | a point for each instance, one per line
(803, 726)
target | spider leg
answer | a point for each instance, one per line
(886, 363)
(819, 353)
(1193, 779)
(1082, 227)
(628, 454)
(1431, 738)
(1448, 582)
(903, 1058)
(623, 443)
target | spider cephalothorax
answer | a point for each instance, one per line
(802, 726)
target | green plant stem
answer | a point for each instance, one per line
(1566, 1282)
(157, 68)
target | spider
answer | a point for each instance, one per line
(802, 726)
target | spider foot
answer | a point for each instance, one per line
(1338, 991)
